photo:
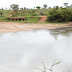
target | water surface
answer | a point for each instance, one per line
(21, 51)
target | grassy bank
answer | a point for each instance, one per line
(31, 15)
(29, 19)
(54, 15)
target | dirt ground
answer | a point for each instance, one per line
(43, 18)
(13, 27)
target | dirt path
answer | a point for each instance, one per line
(43, 18)
(13, 27)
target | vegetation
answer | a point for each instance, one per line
(60, 14)
(55, 14)
(38, 7)
(61, 31)
(15, 7)
(32, 19)
(65, 4)
(30, 14)
(45, 6)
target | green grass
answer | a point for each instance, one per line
(32, 19)
(29, 19)
(24, 12)
(31, 15)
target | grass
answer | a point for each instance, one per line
(32, 19)
(29, 19)
(57, 23)
(22, 13)
(29, 14)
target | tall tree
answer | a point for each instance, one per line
(15, 7)
(21, 8)
(25, 8)
(71, 5)
(45, 6)
(57, 7)
(65, 4)
(2, 8)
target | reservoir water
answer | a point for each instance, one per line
(28, 51)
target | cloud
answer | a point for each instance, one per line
(32, 3)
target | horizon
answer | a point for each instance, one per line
(32, 3)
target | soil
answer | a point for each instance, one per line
(42, 19)
(13, 27)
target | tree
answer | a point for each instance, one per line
(2, 9)
(71, 5)
(25, 8)
(61, 15)
(57, 7)
(34, 7)
(21, 8)
(65, 4)
(5, 8)
(61, 7)
(38, 7)
(15, 7)
(45, 6)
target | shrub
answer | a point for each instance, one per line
(61, 15)
(34, 14)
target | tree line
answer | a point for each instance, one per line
(16, 7)
(60, 14)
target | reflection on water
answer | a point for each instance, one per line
(21, 51)
(62, 31)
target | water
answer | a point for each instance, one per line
(24, 51)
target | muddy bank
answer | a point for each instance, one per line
(13, 27)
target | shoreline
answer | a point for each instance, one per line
(6, 27)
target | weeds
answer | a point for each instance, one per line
(45, 69)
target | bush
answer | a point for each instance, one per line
(34, 14)
(61, 15)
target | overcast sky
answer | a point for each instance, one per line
(33, 3)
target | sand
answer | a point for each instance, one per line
(6, 27)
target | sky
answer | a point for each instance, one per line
(33, 3)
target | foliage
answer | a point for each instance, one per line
(71, 5)
(32, 19)
(24, 8)
(15, 7)
(34, 14)
(45, 6)
(38, 7)
(61, 15)
(65, 4)
(21, 8)
(57, 7)
(2, 9)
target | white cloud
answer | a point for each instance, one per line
(32, 3)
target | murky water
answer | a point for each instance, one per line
(22, 51)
